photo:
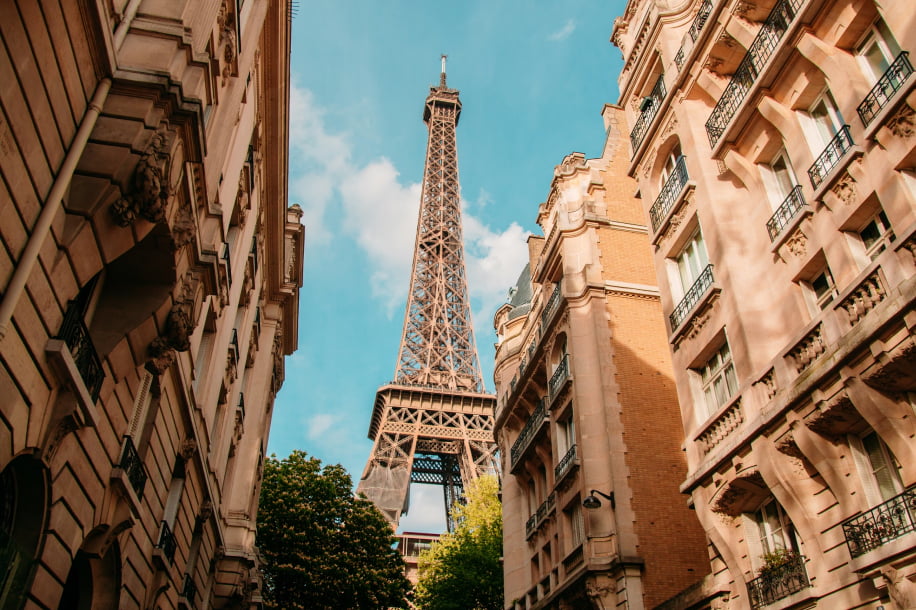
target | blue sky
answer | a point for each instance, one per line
(533, 77)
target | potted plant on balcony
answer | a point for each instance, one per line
(777, 567)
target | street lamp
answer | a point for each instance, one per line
(591, 502)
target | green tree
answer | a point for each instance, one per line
(322, 547)
(462, 571)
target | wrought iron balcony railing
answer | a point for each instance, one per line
(787, 210)
(699, 288)
(189, 589)
(531, 427)
(74, 333)
(693, 33)
(771, 32)
(880, 525)
(234, 346)
(779, 582)
(892, 79)
(531, 525)
(565, 464)
(132, 466)
(559, 376)
(166, 542)
(648, 110)
(830, 158)
(551, 306)
(540, 515)
(668, 195)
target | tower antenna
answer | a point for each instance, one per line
(442, 75)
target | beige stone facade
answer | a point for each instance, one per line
(150, 271)
(773, 145)
(586, 401)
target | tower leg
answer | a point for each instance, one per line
(386, 478)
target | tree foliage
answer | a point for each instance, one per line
(462, 571)
(322, 547)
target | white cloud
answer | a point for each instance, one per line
(380, 213)
(563, 33)
(317, 425)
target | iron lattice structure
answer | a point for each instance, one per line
(434, 423)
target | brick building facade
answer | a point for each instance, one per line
(149, 270)
(586, 404)
(773, 145)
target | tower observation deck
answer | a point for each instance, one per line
(434, 422)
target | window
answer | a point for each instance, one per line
(718, 379)
(879, 468)
(823, 288)
(774, 529)
(567, 436)
(877, 51)
(691, 261)
(876, 234)
(576, 525)
(780, 178)
(670, 165)
(826, 119)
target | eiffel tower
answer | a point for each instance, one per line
(434, 423)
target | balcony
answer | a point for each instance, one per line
(166, 544)
(669, 194)
(648, 110)
(830, 158)
(75, 335)
(690, 300)
(788, 209)
(540, 515)
(559, 377)
(132, 466)
(889, 83)
(551, 306)
(234, 346)
(566, 464)
(779, 582)
(693, 33)
(771, 32)
(532, 426)
(882, 524)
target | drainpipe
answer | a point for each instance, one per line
(51, 206)
(121, 32)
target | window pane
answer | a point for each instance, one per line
(885, 475)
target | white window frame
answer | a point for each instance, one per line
(885, 234)
(717, 372)
(820, 302)
(813, 128)
(694, 264)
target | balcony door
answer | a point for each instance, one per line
(691, 261)
(877, 51)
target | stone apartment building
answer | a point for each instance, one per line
(149, 271)
(773, 146)
(587, 419)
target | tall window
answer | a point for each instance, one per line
(827, 120)
(718, 380)
(670, 164)
(567, 436)
(877, 51)
(691, 261)
(780, 178)
(880, 469)
(576, 525)
(774, 529)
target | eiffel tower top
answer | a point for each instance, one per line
(437, 346)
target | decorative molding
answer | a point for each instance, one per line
(903, 123)
(797, 243)
(187, 449)
(149, 190)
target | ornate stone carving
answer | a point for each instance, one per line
(149, 190)
(845, 189)
(899, 587)
(797, 243)
(228, 38)
(767, 384)
(205, 512)
(570, 163)
(178, 327)
(187, 449)
(184, 230)
(903, 123)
